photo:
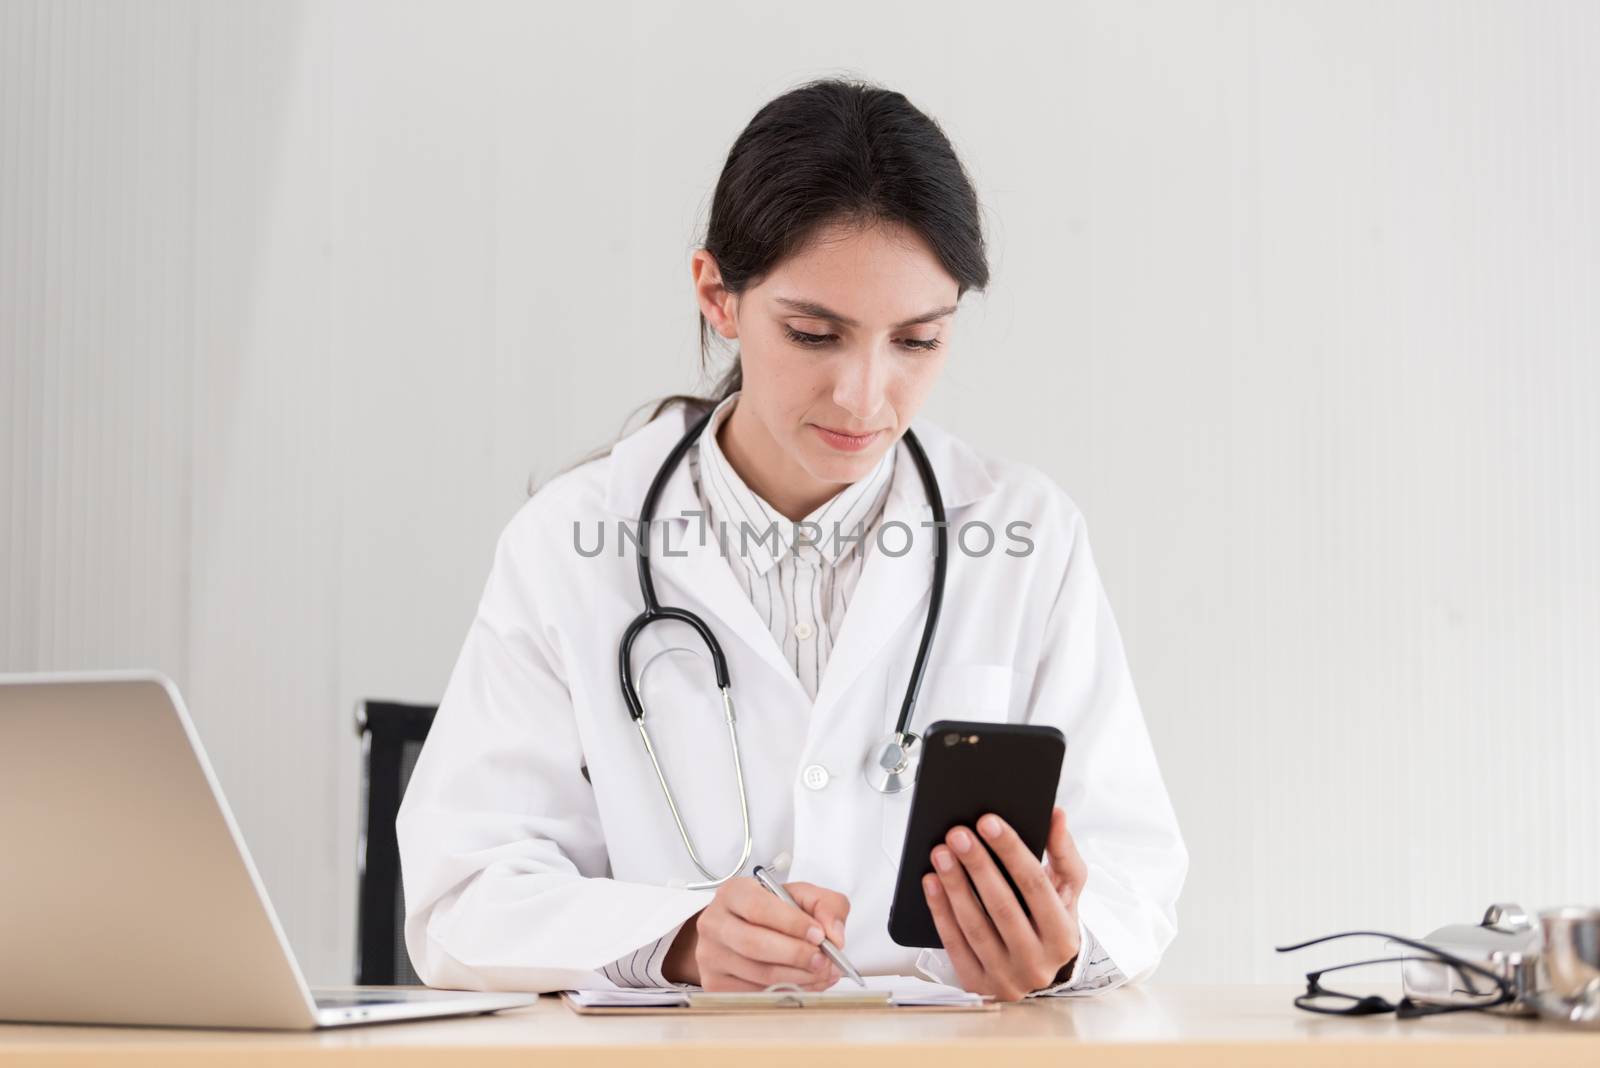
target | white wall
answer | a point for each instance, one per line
(1297, 300)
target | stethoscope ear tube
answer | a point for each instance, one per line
(713, 881)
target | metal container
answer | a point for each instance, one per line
(1570, 946)
(1505, 943)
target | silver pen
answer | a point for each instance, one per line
(765, 878)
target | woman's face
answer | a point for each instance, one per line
(840, 345)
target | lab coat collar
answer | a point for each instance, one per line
(889, 588)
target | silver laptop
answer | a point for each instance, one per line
(126, 893)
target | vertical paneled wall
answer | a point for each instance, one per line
(1295, 299)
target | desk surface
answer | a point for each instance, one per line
(1155, 1025)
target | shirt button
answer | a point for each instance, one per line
(804, 630)
(815, 776)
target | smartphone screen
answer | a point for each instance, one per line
(968, 769)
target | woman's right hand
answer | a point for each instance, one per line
(748, 938)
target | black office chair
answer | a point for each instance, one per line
(391, 737)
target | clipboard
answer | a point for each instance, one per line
(782, 997)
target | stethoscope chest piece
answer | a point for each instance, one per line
(891, 765)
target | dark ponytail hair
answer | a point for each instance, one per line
(833, 151)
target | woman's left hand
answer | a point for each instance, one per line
(993, 946)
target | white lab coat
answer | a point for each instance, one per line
(534, 839)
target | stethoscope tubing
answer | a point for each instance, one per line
(655, 612)
(936, 596)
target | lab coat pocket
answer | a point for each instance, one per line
(957, 691)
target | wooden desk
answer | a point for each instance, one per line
(1156, 1025)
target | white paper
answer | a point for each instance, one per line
(625, 996)
(902, 989)
(910, 990)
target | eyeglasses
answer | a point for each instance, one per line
(1320, 999)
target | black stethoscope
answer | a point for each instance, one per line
(889, 767)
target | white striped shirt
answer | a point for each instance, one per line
(801, 575)
(642, 967)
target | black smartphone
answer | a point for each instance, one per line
(967, 769)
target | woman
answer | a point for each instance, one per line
(538, 849)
